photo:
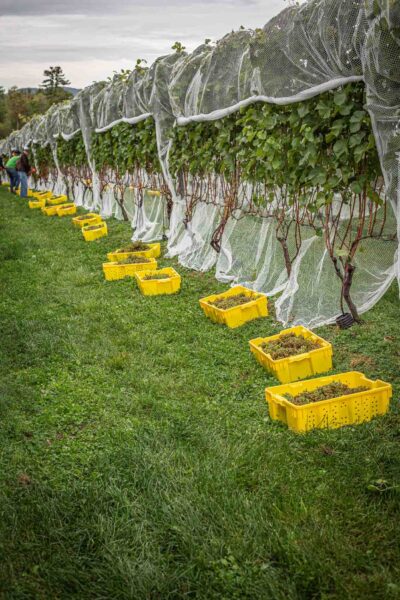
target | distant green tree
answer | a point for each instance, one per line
(54, 80)
(40, 103)
(3, 105)
(53, 85)
(18, 107)
(5, 126)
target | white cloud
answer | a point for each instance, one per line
(96, 38)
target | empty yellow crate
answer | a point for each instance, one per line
(236, 316)
(299, 366)
(89, 219)
(94, 234)
(37, 203)
(158, 287)
(336, 412)
(66, 209)
(114, 271)
(54, 200)
(50, 211)
(154, 251)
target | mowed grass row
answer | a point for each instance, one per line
(137, 456)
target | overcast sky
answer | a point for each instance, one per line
(92, 38)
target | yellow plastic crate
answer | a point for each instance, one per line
(37, 203)
(236, 316)
(66, 209)
(158, 287)
(154, 251)
(114, 271)
(94, 234)
(42, 195)
(29, 193)
(299, 366)
(50, 211)
(90, 219)
(336, 412)
(55, 200)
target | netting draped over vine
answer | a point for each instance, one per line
(300, 54)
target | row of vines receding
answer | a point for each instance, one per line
(126, 157)
(311, 168)
(73, 164)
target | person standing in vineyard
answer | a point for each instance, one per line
(11, 168)
(24, 170)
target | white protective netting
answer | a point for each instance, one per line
(299, 54)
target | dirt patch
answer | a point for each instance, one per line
(231, 301)
(327, 450)
(24, 479)
(362, 361)
(325, 392)
(288, 345)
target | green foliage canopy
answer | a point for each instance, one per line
(72, 153)
(125, 148)
(325, 143)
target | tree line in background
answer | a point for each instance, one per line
(19, 105)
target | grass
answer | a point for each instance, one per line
(137, 457)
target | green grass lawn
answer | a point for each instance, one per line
(137, 457)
